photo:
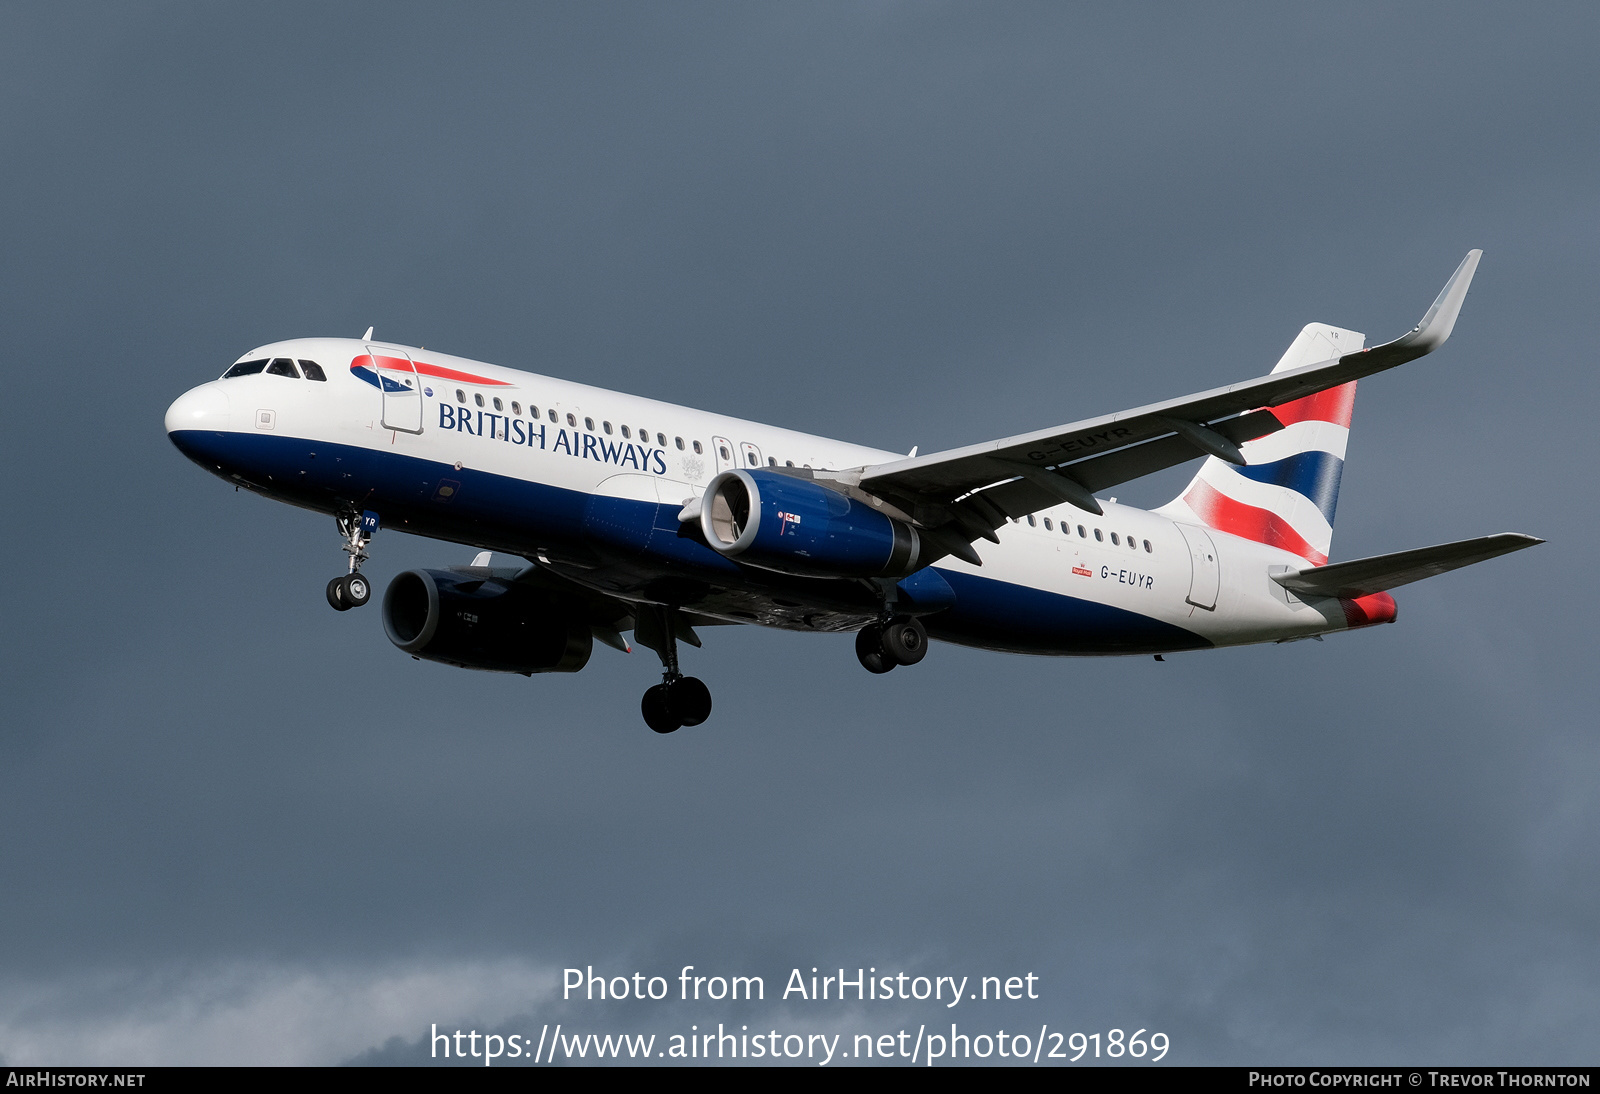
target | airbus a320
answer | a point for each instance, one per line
(633, 517)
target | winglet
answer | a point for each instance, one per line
(1436, 326)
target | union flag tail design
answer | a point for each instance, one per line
(1286, 493)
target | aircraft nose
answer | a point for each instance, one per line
(204, 407)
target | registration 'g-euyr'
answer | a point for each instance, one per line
(635, 516)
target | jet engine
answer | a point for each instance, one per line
(796, 526)
(478, 623)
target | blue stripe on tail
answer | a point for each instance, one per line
(1315, 475)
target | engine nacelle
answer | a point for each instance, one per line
(795, 526)
(482, 624)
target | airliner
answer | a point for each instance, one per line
(630, 516)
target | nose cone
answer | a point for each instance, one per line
(204, 407)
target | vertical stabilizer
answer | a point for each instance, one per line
(1286, 493)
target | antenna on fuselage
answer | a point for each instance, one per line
(368, 336)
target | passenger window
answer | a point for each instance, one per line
(245, 368)
(313, 371)
(1098, 536)
(661, 440)
(533, 411)
(461, 396)
(722, 449)
(1115, 542)
(626, 433)
(588, 423)
(1048, 527)
(697, 447)
(1031, 522)
(516, 407)
(788, 463)
(498, 405)
(1081, 533)
(607, 426)
(1147, 547)
(1133, 544)
(680, 443)
(477, 397)
(554, 417)
(572, 420)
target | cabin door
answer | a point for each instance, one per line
(1205, 574)
(401, 387)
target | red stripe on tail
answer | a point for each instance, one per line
(1246, 521)
(1334, 405)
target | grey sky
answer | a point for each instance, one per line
(240, 826)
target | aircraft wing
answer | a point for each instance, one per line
(1380, 573)
(965, 493)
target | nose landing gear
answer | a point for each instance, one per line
(352, 590)
(678, 700)
(899, 640)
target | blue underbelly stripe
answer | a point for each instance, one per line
(999, 615)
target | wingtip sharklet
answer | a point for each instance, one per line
(1440, 320)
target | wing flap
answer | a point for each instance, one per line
(1380, 573)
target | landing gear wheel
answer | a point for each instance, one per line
(336, 595)
(904, 641)
(689, 700)
(869, 650)
(657, 714)
(355, 590)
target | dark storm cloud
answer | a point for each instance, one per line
(229, 808)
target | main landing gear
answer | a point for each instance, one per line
(898, 640)
(352, 590)
(678, 700)
(675, 702)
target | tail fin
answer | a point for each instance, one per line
(1286, 493)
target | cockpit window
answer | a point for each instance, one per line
(245, 368)
(313, 371)
(282, 366)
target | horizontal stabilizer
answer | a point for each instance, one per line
(1377, 574)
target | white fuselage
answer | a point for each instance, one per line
(458, 459)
